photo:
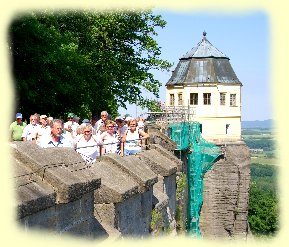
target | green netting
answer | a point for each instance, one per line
(201, 156)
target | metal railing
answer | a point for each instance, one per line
(171, 114)
(101, 146)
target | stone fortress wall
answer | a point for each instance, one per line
(115, 196)
(224, 213)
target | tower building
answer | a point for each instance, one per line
(205, 83)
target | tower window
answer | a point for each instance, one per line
(207, 98)
(222, 98)
(193, 98)
(233, 100)
(180, 99)
(227, 128)
(172, 99)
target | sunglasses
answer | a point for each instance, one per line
(109, 126)
(87, 131)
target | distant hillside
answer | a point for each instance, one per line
(257, 124)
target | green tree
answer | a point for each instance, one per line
(265, 143)
(263, 212)
(84, 62)
(154, 106)
(263, 202)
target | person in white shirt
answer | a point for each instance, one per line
(43, 130)
(101, 122)
(55, 139)
(94, 124)
(49, 121)
(70, 126)
(140, 123)
(120, 127)
(126, 119)
(29, 132)
(110, 139)
(132, 138)
(87, 144)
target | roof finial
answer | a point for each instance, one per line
(204, 33)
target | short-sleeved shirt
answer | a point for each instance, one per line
(41, 133)
(132, 140)
(16, 130)
(88, 149)
(99, 123)
(30, 131)
(47, 142)
(73, 125)
(111, 143)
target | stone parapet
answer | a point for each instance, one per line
(146, 170)
(163, 162)
(116, 185)
(158, 163)
(33, 195)
(157, 137)
(115, 196)
(58, 191)
(135, 168)
(53, 175)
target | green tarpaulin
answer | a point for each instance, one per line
(201, 155)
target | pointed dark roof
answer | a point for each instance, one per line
(204, 49)
(203, 63)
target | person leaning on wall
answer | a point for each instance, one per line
(86, 144)
(133, 137)
(110, 139)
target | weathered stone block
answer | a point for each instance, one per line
(62, 168)
(116, 185)
(134, 214)
(45, 219)
(226, 194)
(70, 214)
(134, 167)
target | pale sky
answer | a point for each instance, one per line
(244, 38)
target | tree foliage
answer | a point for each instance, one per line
(155, 106)
(267, 144)
(84, 62)
(260, 170)
(263, 201)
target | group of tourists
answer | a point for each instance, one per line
(90, 139)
